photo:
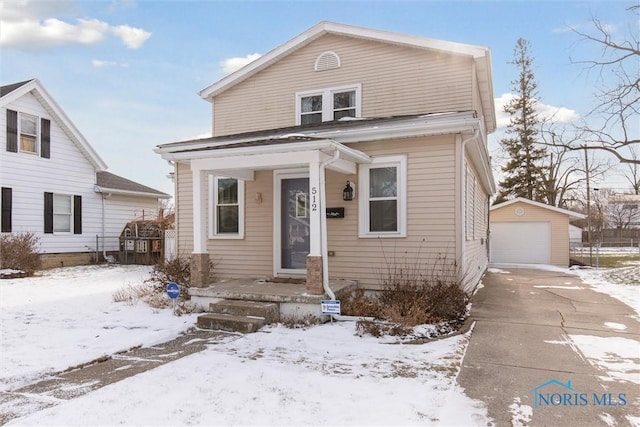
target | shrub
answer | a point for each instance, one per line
(177, 270)
(19, 252)
(412, 294)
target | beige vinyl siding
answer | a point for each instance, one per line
(430, 223)
(430, 210)
(184, 209)
(251, 256)
(559, 226)
(476, 256)
(395, 81)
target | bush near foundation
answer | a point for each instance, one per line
(412, 295)
(19, 252)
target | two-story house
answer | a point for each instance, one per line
(339, 152)
(55, 185)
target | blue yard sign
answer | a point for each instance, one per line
(330, 307)
(173, 290)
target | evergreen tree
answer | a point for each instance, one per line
(524, 172)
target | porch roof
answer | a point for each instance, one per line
(242, 159)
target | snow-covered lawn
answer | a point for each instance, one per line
(325, 375)
(66, 316)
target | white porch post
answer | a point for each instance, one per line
(314, 209)
(200, 256)
(314, 259)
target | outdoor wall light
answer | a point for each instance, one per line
(348, 192)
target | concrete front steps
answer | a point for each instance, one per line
(239, 315)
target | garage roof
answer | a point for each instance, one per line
(572, 215)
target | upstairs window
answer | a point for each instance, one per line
(324, 105)
(28, 133)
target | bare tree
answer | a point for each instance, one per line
(622, 215)
(566, 168)
(632, 172)
(618, 103)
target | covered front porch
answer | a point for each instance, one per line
(299, 231)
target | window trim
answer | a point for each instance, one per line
(213, 203)
(364, 227)
(37, 135)
(327, 100)
(71, 213)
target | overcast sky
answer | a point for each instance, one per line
(127, 72)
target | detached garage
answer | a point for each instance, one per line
(528, 232)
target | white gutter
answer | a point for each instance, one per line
(446, 123)
(99, 189)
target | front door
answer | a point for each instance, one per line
(293, 236)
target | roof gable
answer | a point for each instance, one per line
(573, 215)
(480, 55)
(10, 93)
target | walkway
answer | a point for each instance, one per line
(521, 340)
(81, 380)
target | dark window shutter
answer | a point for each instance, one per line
(12, 131)
(48, 213)
(77, 214)
(6, 210)
(45, 138)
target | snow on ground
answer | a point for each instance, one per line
(325, 375)
(621, 283)
(320, 376)
(66, 317)
(617, 356)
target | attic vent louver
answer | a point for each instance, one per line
(327, 61)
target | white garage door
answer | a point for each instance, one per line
(521, 242)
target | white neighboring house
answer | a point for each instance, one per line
(55, 185)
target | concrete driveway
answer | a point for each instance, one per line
(523, 363)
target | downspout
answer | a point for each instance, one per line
(323, 239)
(323, 225)
(104, 251)
(463, 219)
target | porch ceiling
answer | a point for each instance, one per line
(242, 160)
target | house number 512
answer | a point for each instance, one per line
(314, 203)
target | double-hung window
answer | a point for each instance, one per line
(383, 204)
(322, 105)
(227, 208)
(28, 133)
(62, 213)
